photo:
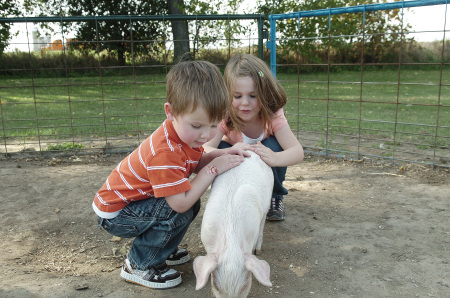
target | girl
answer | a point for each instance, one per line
(256, 121)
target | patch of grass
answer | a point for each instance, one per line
(393, 143)
(65, 147)
(378, 107)
(57, 108)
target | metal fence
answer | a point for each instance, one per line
(65, 99)
(395, 111)
(334, 110)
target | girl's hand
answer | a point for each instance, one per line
(241, 146)
(266, 154)
(239, 149)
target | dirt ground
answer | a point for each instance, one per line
(353, 229)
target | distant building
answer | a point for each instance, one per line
(44, 42)
(56, 45)
(40, 42)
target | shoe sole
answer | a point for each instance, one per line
(183, 260)
(153, 285)
(275, 218)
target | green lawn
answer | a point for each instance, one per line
(377, 108)
(127, 105)
(80, 106)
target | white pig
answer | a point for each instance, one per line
(232, 229)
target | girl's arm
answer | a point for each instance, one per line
(292, 154)
(214, 142)
(211, 147)
(209, 156)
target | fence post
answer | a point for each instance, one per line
(261, 38)
(272, 45)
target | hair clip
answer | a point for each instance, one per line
(261, 74)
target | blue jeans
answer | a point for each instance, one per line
(279, 173)
(157, 228)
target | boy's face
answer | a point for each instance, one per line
(193, 128)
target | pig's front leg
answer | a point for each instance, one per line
(258, 244)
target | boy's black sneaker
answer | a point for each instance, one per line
(178, 257)
(276, 211)
(157, 277)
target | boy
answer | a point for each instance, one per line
(149, 196)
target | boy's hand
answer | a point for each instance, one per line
(266, 154)
(225, 162)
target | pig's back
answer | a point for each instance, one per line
(238, 199)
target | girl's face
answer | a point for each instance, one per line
(245, 103)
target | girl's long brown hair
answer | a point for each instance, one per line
(271, 96)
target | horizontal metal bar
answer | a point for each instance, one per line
(132, 18)
(358, 8)
(366, 34)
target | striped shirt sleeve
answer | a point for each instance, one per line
(168, 173)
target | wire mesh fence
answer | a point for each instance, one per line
(395, 107)
(72, 96)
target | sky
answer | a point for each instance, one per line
(429, 19)
(426, 20)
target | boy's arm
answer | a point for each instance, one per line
(182, 202)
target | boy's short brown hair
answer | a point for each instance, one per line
(191, 83)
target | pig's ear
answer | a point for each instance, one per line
(259, 268)
(203, 266)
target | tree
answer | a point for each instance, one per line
(7, 9)
(180, 29)
(218, 33)
(115, 32)
(114, 36)
(200, 33)
(117, 36)
(309, 36)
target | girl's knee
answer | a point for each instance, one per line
(272, 143)
(223, 145)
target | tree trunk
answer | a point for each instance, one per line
(180, 31)
(121, 56)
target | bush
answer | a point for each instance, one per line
(72, 63)
(75, 63)
(316, 58)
